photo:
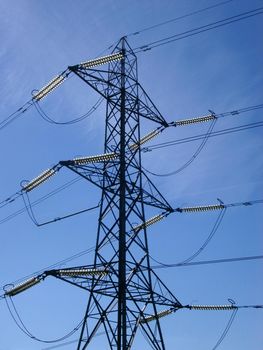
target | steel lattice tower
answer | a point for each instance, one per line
(127, 294)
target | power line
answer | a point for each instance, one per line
(20, 324)
(227, 328)
(209, 238)
(69, 342)
(48, 119)
(193, 157)
(41, 199)
(234, 112)
(198, 30)
(31, 214)
(89, 250)
(190, 121)
(178, 18)
(208, 262)
(15, 115)
(239, 111)
(20, 111)
(201, 136)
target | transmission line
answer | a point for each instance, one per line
(20, 324)
(37, 95)
(209, 238)
(208, 262)
(234, 112)
(31, 214)
(15, 115)
(40, 200)
(201, 136)
(193, 157)
(198, 30)
(227, 329)
(48, 119)
(187, 209)
(178, 18)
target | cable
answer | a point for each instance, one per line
(28, 208)
(209, 238)
(192, 138)
(178, 18)
(213, 231)
(198, 30)
(13, 116)
(193, 157)
(227, 328)
(154, 267)
(87, 251)
(41, 199)
(10, 199)
(201, 136)
(239, 111)
(57, 264)
(208, 262)
(71, 342)
(73, 121)
(20, 324)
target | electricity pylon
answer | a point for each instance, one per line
(128, 294)
(125, 294)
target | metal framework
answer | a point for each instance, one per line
(129, 295)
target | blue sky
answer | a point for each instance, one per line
(219, 70)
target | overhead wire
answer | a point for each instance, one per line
(227, 328)
(198, 30)
(208, 262)
(154, 267)
(215, 227)
(192, 158)
(57, 264)
(71, 342)
(209, 238)
(212, 232)
(21, 325)
(239, 111)
(235, 308)
(10, 199)
(201, 136)
(15, 115)
(179, 18)
(41, 199)
(234, 112)
(32, 216)
(48, 119)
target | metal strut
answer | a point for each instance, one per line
(122, 331)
